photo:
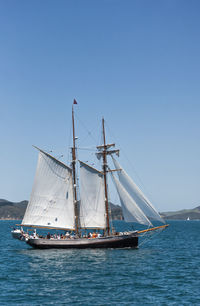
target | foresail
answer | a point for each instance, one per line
(131, 212)
(92, 206)
(51, 201)
(135, 193)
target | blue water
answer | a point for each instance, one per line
(164, 271)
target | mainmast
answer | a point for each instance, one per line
(103, 151)
(74, 176)
(105, 179)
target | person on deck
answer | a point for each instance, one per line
(34, 234)
(94, 235)
(67, 235)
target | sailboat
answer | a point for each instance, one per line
(54, 202)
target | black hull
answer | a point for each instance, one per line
(127, 241)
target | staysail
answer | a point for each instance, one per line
(51, 202)
(92, 207)
(133, 190)
(131, 212)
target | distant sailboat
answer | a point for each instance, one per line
(188, 218)
(54, 202)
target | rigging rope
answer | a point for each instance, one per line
(151, 234)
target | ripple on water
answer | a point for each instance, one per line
(165, 271)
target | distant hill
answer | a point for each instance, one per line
(116, 212)
(12, 210)
(15, 211)
(193, 214)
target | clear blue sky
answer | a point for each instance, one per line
(134, 62)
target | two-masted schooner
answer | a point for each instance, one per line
(54, 202)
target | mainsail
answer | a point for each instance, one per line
(51, 202)
(135, 193)
(92, 207)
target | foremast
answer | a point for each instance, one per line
(103, 152)
(76, 210)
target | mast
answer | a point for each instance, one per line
(74, 175)
(105, 179)
(103, 152)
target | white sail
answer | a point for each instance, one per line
(134, 191)
(131, 212)
(51, 201)
(92, 207)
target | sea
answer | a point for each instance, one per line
(164, 270)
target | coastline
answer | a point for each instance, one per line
(9, 219)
